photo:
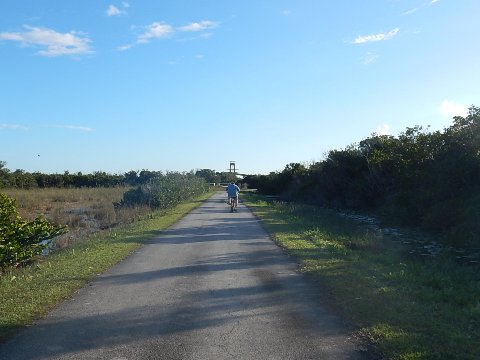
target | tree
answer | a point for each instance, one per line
(131, 177)
(209, 175)
(4, 174)
(227, 177)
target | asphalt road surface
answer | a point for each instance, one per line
(213, 286)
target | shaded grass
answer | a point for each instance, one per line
(28, 294)
(406, 308)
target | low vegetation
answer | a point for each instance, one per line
(407, 308)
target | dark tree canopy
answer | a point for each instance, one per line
(420, 178)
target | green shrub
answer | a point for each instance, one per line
(20, 240)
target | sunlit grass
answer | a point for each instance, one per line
(407, 308)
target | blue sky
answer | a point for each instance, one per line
(161, 85)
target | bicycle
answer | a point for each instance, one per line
(233, 203)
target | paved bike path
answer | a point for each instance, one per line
(213, 286)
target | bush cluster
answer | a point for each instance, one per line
(164, 191)
(424, 179)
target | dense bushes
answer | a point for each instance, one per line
(20, 241)
(420, 178)
(165, 191)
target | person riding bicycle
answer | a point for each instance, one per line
(232, 191)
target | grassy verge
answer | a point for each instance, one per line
(28, 294)
(406, 308)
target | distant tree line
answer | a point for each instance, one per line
(429, 180)
(26, 180)
(212, 176)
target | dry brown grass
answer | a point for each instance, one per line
(84, 211)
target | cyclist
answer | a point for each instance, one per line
(232, 191)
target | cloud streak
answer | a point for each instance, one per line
(23, 127)
(156, 30)
(74, 127)
(12, 127)
(53, 42)
(414, 10)
(362, 39)
(198, 26)
(116, 11)
(369, 58)
(411, 11)
(162, 30)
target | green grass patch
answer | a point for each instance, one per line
(28, 294)
(406, 308)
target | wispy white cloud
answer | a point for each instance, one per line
(125, 47)
(206, 35)
(81, 128)
(369, 58)
(376, 37)
(199, 26)
(55, 43)
(420, 7)
(286, 12)
(411, 11)
(156, 30)
(161, 30)
(12, 127)
(383, 129)
(73, 127)
(449, 108)
(114, 11)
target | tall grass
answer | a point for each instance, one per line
(84, 210)
(407, 308)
